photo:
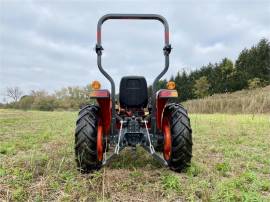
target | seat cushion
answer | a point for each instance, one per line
(133, 92)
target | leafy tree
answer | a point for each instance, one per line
(183, 86)
(201, 87)
(45, 103)
(26, 102)
(254, 62)
(162, 84)
(226, 73)
(255, 83)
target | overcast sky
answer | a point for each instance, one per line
(49, 44)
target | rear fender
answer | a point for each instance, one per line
(104, 100)
(162, 97)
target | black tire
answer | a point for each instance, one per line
(86, 139)
(181, 133)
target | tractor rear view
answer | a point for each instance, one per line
(159, 127)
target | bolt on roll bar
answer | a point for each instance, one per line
(166, 50)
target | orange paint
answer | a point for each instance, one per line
(100, 141)
(100, 94)
(167, 138)
(106, 113)
(162, 97)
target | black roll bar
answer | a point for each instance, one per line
(167, 49)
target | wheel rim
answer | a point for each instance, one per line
(100, 141)
(167, 138)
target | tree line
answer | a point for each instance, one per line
(68, 98)
(250, 70)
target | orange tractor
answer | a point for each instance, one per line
(159, 127)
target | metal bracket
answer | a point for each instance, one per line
(156, 156)
(152, 150)
(117, 148)
(149, 148)
(167, 49)
(99, 49)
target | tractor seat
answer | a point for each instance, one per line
(133, 92)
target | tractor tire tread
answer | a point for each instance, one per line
(181, 134)
(86, 139)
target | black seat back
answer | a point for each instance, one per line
(133, 92)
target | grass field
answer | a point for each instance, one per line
(231, 162)
(247, 101)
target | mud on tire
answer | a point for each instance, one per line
(86, 139)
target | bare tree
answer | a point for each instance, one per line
(14, 93)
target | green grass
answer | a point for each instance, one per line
(230, 162)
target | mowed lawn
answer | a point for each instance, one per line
(231, 162)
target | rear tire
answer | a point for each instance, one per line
(86, 139)
(181, 137)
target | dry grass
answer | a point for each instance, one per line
(245, 101)
(231, 163)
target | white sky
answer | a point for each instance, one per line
(49, 44)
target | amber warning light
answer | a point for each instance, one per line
(95, 85)
(170, 85)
